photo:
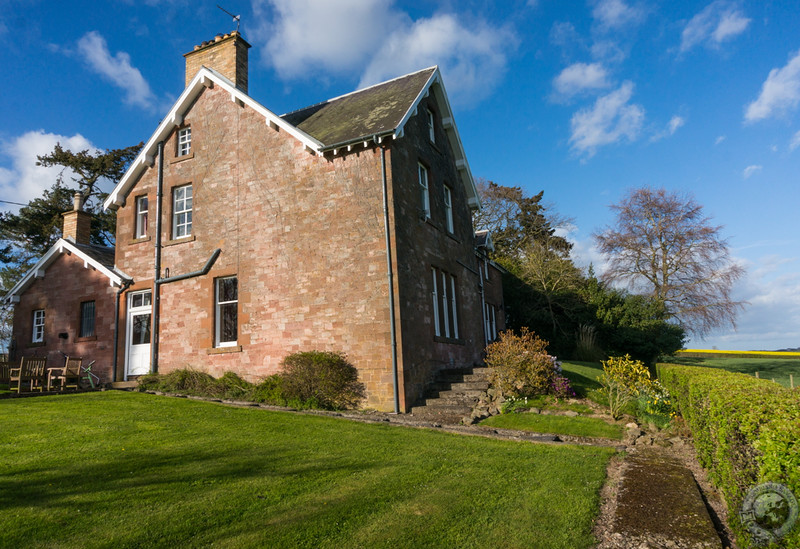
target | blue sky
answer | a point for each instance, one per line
(583, 100)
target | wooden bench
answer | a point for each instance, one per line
(32, 371)
(67, 376)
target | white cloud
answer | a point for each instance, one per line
(780, 93)
(24, 180)
(117, 69)
(672, 126)
(720, 139)
(313, 35)
(750, 170)
(580, 77)
(472, 59)
(374, 39)
(718, 22)
(611, 119)
(771, 320)
(795, 142)
(615, 14)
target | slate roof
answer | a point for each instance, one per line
(376, 110)
(102, 254)
(372, 113)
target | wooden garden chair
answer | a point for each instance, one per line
(66, 376)
(32, 371)
(5, 374)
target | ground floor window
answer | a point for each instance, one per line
(38, 326)
(445, 304)
(227, 311)
(87, 319)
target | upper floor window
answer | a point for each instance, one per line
(448, 208)
(141, 217)
(431, 130)
(226, 303)
(87, 319)
(38, 326)
(182, 211)
(184, 141)
(423, 185)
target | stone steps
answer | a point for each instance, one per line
(452, 395)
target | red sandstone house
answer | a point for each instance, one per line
(342, 226)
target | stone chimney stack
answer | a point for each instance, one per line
(226, 54)
(77, 223)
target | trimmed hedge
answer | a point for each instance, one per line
(746, 432)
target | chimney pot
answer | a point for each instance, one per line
(76, 201)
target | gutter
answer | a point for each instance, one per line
(390, 276)
(157, 263)
(125, 285)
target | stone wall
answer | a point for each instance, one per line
(66, 284)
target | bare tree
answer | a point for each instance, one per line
(663, 244)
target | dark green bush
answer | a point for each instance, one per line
(746, 431)
(323, 377)
(269, 391)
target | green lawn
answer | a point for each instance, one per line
(117, 469)
(767, 368)
(582, 375)
(557, 425)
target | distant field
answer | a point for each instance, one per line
(776, 365)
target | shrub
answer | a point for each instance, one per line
(323, 377)
(269, 391)
(521, 367)
(745, 431)
(624, 381)
(587, 347)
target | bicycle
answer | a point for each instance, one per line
(91, 380)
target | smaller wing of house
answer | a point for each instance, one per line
(98, 258)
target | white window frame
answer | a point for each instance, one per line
(141, 216)
(431, 127)
(445, 305)
(454, 305)
(184, 141)
(423, 184)
(37, 335)
(436, 330)
(448, 208)
(218, 304)
(182, 211)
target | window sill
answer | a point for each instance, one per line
(139, 240)
(450, 340)
(37, 344)
(182, 158)
(180, 240)
(224, 350)
(88, 338)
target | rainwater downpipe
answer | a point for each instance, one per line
(125, 285)
(157, 262)
(390, 275)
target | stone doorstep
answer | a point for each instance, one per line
(659, 504)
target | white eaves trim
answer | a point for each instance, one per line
(205, 78)
(116, 278)
(448, 122)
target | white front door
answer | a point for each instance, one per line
(138, 337)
